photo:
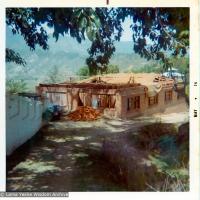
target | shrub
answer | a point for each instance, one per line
(168, 150)
(15, 86)
(111, 69)
(83, 71)
(149, 135)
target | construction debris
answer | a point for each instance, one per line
(84, 113)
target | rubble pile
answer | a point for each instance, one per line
(84, 113)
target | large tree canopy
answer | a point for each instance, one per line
(157, 32)
(29, 22)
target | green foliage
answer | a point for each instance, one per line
(15, 86)
(54, 75)
(147, 22)
(111, 69)
(164, 28)
(181, 63)
(148, 68)
(177, 177)
(102, 47)
(24, 21)
(167, 30)
(168, 152)
(83, 71)
(149, 135)
(167, 144)
(159, 163)
(12, 56)
(29, 22)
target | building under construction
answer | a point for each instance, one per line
(119, 95)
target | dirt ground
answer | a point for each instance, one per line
(69, 156)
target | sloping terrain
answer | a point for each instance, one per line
(87, 156)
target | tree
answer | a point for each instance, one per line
(30, 22)
(102, 47)
(12, 56)
(157, 32)
(110, 69)
(182, 64)
(15, 86)
(55, 75)
(148, 68)
(83, 71)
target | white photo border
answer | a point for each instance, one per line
(194, 192)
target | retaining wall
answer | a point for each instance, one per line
(23, 120)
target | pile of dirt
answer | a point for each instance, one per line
(84, 113)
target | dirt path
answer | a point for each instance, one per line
(68, 156)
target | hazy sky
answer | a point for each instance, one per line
(127, 33)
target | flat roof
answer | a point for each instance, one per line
(145, 79)
(116, 81)
(92, 85)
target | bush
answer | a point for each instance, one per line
(55, 75)
(176, 176)
(15, 86)
(148, 68)
(168, 149)
(83, 71)
(149, 135)
(111, 69)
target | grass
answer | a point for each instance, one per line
(168, 149)
(149, 135)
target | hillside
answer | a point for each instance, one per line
(67, 54)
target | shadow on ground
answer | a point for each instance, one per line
(80, 156)
(64, 157)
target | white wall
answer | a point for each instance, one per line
(23, 120)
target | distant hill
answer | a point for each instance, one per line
(66, 53)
